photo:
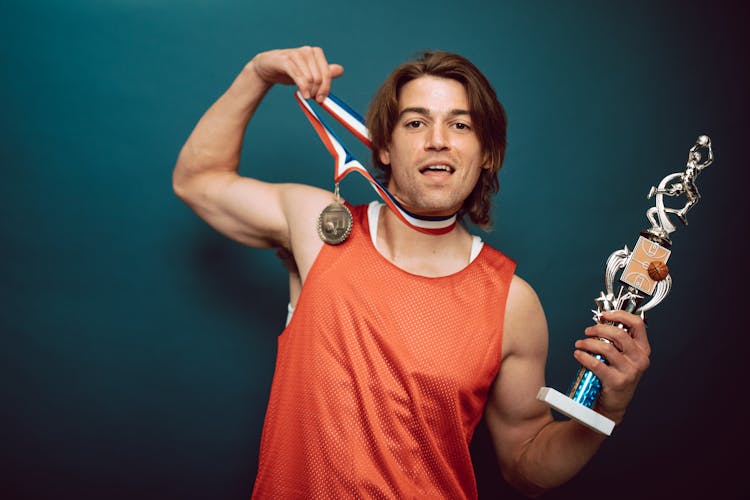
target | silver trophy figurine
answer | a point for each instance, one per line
(644, 272)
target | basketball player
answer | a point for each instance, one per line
(401, 337)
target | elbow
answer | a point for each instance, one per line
(524, 486)
(194, 172)
(534, 492)
(184, 182)
(522, 473)
(185, 172)
(179, 185)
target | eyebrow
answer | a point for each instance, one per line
(426, 112)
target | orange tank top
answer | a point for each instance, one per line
(382, 376)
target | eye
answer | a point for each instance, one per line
(462, 126)
(413, 124)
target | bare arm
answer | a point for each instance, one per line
(253, 212)
(536, 453)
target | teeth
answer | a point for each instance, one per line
(439, 168)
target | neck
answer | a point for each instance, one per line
(419, 253)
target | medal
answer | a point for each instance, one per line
(335, 221)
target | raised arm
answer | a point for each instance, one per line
(536, 453)
(253, 212)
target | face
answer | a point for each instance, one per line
(434, 153)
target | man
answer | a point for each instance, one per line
(400, 339)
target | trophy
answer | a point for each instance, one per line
(644, 272)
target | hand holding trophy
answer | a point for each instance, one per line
(644, 272)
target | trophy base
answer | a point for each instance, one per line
(576, 411)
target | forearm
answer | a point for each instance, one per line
(561, 449)
(556, 454)
(215, 144)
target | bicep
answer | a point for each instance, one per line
(514, 416)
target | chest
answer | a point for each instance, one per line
(369, 315)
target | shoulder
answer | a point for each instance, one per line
(525, 325)
(502, 264)
(522, 296)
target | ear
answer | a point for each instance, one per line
(486, 165)
(385, 156)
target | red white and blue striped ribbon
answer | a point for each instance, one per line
(345, 163)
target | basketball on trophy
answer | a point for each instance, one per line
(657, 270)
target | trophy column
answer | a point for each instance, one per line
(644, 272)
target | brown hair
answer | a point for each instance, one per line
(487, 115)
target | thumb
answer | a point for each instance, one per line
(335, 70)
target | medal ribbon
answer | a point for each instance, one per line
(345, 162)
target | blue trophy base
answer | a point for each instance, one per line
(576, 411)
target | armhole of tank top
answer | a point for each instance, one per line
(289, 312)
(373, 216)
(476, 247)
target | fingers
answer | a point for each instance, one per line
(627, 352)
(634, 326)
(600, 345)
(620, 373)
(312, 73)
(619, 337)
(336, 70)
(306, 76)
(306, 67)
(588, 361)
(627, 355)
(615, 345)
(323, 70)
(618, 383)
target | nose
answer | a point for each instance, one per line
(437, 139)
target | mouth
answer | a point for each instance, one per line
(438, 168)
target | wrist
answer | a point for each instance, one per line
(250, 71)
(616, 416)
(249, 83)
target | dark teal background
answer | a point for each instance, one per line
(138, 344)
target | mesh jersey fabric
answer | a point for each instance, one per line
(382, 376)
(373, 214)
